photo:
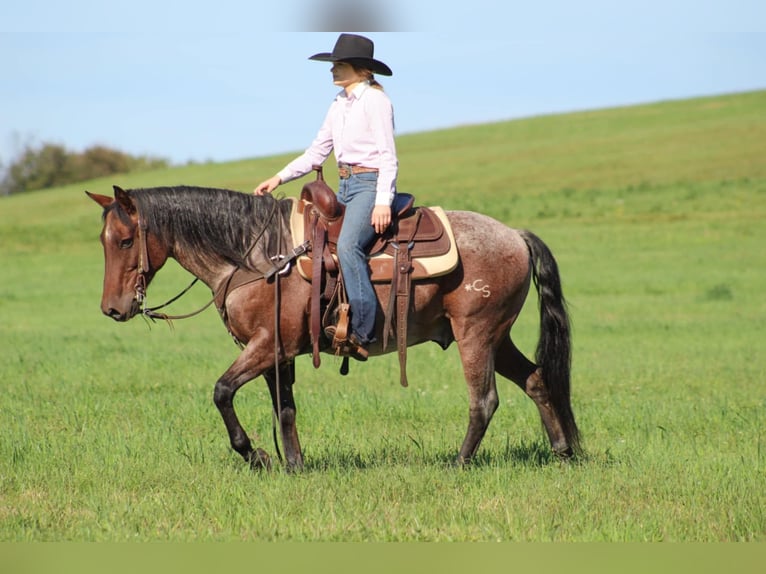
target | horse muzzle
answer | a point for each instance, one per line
(121, 315)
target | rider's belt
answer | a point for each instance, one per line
(346, 170)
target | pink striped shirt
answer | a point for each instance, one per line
(359, 128)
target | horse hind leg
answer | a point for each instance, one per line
(482, 394)
(512, 364)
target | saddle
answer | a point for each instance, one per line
(418, 244)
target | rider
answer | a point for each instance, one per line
(359, 128)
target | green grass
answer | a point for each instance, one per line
(656, 216)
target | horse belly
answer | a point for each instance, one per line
(428, 320)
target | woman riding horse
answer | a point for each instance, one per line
(360, 128)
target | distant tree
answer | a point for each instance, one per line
(36, 169)
(51, 165)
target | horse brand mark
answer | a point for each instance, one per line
(479, 286)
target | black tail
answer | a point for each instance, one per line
(554, 352)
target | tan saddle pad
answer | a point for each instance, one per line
(382, 262)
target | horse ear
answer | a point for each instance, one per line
(102, 200)
(124, 200)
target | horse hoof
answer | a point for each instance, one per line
(564, 454)
(260, 460)
(462, 462)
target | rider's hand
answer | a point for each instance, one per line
(381, 218)
(267, 186)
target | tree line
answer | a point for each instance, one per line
(50, 165)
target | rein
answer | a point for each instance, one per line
(143, 269)
(151, 312)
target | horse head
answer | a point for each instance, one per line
(131, 255)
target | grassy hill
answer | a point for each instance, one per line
(525, 169)
(656, 215)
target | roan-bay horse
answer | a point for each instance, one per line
(215, 234)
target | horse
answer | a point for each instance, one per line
(230, 240)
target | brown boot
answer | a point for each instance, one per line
(356, 350)
(350, 347)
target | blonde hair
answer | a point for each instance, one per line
(375, 83)
(359, 68)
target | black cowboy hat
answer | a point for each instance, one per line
(357, 49)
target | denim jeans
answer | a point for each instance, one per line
(357, 193)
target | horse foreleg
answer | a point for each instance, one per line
(512, 364)
(478, 367)
(223, 397)
(225, 388)
(284, 406)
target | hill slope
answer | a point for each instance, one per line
(650, 146)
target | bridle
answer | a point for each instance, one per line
(143, 263)
(141, 282)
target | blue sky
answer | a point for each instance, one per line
(225, 80)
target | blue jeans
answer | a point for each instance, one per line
(357, 193)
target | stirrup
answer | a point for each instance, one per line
(346, 347)
(340, 330)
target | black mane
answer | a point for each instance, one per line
(215, 223)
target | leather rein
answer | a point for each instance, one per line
(141, 283)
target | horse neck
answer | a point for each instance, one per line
(211, 271)
(206, 248)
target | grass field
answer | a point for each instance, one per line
(657, 216)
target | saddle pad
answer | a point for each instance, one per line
(382, 264)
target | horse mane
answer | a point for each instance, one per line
(217, 224)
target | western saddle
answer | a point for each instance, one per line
(415, 232)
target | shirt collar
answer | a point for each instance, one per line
(356, 93)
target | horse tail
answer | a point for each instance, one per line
(554, 352)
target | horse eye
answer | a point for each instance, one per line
(126, 243)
